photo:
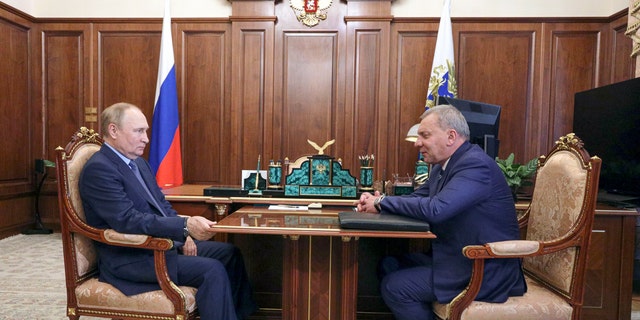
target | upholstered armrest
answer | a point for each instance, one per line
(142, 241)
(502, 249)
(158, 245)
(493, 250)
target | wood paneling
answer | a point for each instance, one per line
(262, 83)
(205, 103)
(622, 65)
(127, 65)
(368, 101)
(65, 78)
(62, 97)
(310, 71)
(15, 110)
(21, 139)
(496, 66)
(252, 94)
(412, 48)
(574, 61)
(609, 280)
(309, 80)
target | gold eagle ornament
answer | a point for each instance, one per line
(310, 12)
(321, 149)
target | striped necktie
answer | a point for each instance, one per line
(136, 172)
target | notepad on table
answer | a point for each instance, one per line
(375, 221)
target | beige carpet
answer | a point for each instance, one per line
(32, 278)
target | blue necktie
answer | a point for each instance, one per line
(440, 181)
(136, 172)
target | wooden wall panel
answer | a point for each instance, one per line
(261, 82)
(64, 96)
(15, 108)
(365, 100)
(310, 73)
(574, 63)
(251, 97)
(65, 71)
(19, 122)
(412, 48)
(622, 65)
(496, 66)
(205, 104)
(309, 85)
(369, 97)
(127, 66)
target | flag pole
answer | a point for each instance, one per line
(165, 155)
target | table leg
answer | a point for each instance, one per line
(320, 278)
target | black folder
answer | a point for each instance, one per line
(386, 222)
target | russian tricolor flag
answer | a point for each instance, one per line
(164, 154)
(442, 82)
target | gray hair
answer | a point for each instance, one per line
(449, 117)
(114, 114)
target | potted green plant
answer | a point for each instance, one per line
(517, 175)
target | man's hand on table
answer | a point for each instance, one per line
(200, 227)
(365, 203)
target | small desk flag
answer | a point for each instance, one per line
(442, 81)
(164, 154)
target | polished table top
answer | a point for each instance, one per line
(259, 219)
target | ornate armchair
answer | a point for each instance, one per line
(86, 296)
(559, 222)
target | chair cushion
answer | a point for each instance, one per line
(86, 255)
(562, 171)
(537, 303)
(96, 294)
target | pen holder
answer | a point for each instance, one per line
(366, 178)
(275, 176)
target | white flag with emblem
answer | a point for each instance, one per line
(442, 81)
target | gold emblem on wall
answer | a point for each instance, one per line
(310, 12)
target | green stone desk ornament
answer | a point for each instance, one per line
(366, 172)
(320, 176)
(275, 175)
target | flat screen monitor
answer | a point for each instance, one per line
(483, 119)
(607, 119)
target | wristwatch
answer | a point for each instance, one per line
(376, 203)
(185, 229)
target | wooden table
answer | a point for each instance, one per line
(609, 266)
(320, 260)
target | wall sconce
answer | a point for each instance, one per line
(412, 135)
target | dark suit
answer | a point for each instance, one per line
(468, 203)
(114, 198)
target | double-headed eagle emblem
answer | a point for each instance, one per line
(310, 12)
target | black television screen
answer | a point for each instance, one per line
(607, 119)
(483, 120)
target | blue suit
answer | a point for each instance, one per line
(114, 198)
(468, 203)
